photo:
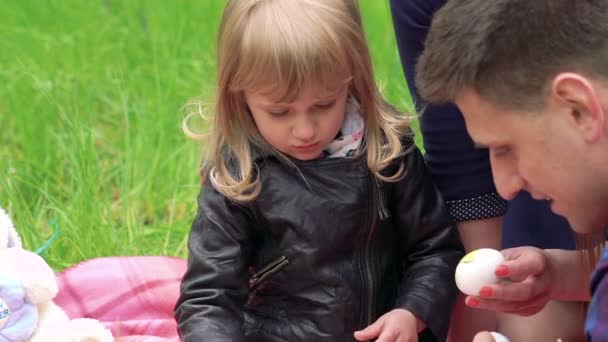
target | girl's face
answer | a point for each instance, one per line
(301, 129)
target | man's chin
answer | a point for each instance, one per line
(586, 226)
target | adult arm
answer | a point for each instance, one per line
(461, 172)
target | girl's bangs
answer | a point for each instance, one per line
(280, 62)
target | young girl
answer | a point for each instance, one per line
(317, 219)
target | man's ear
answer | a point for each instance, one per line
(580, 100)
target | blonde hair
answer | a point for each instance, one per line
(285, 44)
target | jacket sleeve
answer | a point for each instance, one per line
(215, 285)
(431, 246)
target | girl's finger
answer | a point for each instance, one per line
(388, 335)
(372, 331)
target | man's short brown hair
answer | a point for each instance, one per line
(508, 50)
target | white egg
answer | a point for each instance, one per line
(499, 337)
(476, 269)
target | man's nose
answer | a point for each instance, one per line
(508, 183)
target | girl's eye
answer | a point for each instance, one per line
(278, 113)
(325, 105)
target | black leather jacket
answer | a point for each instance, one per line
(322, 252)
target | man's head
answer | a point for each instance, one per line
(531, 78)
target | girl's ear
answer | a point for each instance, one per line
(580, 99)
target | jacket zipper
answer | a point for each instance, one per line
(370, 278)
(268, 270)
(368, 262)
(382, 209)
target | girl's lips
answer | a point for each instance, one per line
(306, 147)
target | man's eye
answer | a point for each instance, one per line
(500, 151)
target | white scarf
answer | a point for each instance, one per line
(352, 132)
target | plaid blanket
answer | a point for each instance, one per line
(132, 296)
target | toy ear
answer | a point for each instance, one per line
(36, 276)
(9, 238)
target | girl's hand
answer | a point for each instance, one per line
(398, 325)
(531, 288)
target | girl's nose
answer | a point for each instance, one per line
(304, 129)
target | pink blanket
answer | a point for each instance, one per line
(133, 296)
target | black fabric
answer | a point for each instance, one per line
(459, 169)
(356, 249)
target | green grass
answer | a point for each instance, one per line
(90, 118)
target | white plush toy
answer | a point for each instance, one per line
(27, 288)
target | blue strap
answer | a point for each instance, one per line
(47, 244)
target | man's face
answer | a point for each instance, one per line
(542, 153)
